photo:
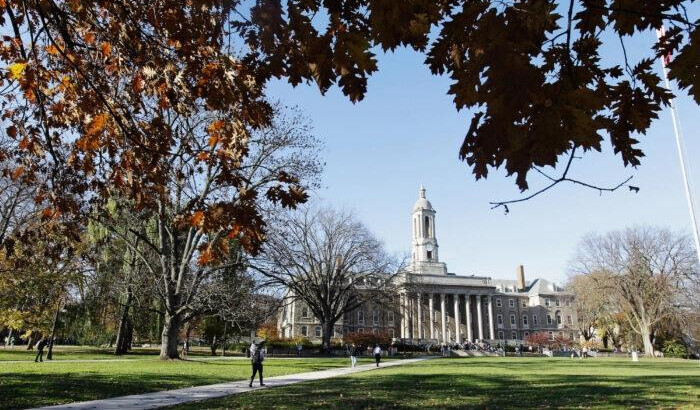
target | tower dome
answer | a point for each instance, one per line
(422, 202)
(424, 242)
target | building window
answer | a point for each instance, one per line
(568, 319)
(499, 319)
(549, 320)
(390, 316)
(546, 302)
(526, 334)
(534, 319)
(568, 302)
(430, 255)
(305, 312)
(318, 331)
(556, 302)
(551, 335)
(375, 317)
(375, 331)
(361, 330)
(511, 303)
(524, 320)
(512, 320)
(500, 335)
(558, 319)
(498, 302)
(514, 335)
(524, 303)
(304, 331)
(360, 316)
(391, 333)
(427, 229)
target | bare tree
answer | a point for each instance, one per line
(647, 272)
(329, 260)
(592, 302)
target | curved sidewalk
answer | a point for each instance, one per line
(190, 394)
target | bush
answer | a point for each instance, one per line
(673, 348)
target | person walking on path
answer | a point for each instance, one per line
(299, 347)
(353, 356)
(40, 350)
(185, 349)
(257, 356)
(377, 354)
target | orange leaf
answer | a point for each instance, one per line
(17, 172)
(197, 218)
(206, 257)
(90, 38)
(106, 48)
(97, 124)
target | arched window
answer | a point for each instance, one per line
(426, 227)
(558, 316)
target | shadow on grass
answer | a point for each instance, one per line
(31, 390)
(448, 390)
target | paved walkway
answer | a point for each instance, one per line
(190, 394)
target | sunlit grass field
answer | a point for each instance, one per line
(490, 382)
(28, 384)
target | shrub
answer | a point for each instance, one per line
(673, 348)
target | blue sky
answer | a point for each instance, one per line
(407, 131)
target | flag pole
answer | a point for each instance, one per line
(681, 153)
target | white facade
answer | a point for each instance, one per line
(437, 306)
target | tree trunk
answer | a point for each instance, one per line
(9, 336)
(121, 347)
(30, 341)
(49, 354)
(213, 346)
(327, 333)
(168, 341)
(223, 341)
(646, 338)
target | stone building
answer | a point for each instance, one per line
(437, 306)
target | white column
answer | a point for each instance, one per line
(443, 315)
(432, 316)
(479, 317)
(468, 312)
(402, 300)
(491, 331)
(458, 337)
(419, 299)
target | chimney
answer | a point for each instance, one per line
(520, 274)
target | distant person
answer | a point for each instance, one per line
(257, 356)
(40, 350)
(299, 348)
(185, 349)
(377, 354)
(353, 355)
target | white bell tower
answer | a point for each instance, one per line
(425, 247)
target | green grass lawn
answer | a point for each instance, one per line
(32, 384)
(94, 353)
(491, 383)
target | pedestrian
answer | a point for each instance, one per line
(353, 355)
(40, 350)
(185, 349)
(299, 347)
(377, 354)
(257, 356)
